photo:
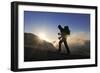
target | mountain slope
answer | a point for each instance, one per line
(35, 42)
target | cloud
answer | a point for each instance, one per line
(78, 39)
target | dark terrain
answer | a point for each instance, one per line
(36, 49)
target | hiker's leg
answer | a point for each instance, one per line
(60, 42)
(66, 45)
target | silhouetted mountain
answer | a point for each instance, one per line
(35, 47)
(35, 42)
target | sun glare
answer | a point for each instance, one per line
(43, 36)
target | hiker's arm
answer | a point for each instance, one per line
(59, 38)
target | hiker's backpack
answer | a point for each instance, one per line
(66, 30)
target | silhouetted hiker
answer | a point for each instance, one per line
(64, 32)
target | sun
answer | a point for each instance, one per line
(43, 36)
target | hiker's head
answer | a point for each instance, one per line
(59, 26)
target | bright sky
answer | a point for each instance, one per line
(45, 23)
